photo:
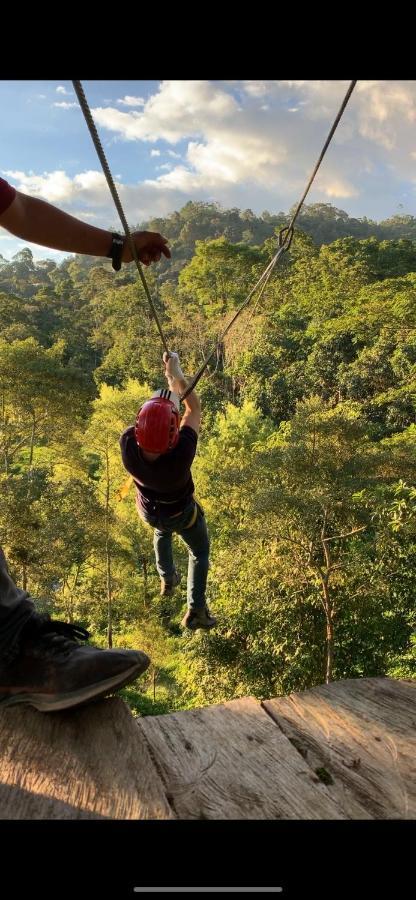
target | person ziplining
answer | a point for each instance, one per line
(158, 452)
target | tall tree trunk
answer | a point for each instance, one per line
(108, 556)
(327, 601)
(4, 423)
(329, 648)
(327, 605)
(145, 582)
(32, 443)
(24, 576)
(109, 598)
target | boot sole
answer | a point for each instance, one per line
(57, 702)
(169, 589)
(196, 627)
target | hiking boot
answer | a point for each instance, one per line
(198, 618)
(52, 671)
(167, 585)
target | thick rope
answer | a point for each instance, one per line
(324, 149)
(285, 240)
(101, 155)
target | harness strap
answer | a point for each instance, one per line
(194, 515)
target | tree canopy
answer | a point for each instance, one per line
(305, 463)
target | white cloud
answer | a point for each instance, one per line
(62, 90)
(174, 111)
(58, 187)
(386, 110)
(132, 101)
(257, 88)
(65, 105)
(335, 187)
(228, 143)
(242, 155)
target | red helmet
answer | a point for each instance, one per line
(157, 423)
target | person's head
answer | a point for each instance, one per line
(157, 423)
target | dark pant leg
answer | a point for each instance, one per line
(162, 543)
(197, 540)
(16, 607)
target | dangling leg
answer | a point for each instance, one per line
(169, 577)
(197, 540)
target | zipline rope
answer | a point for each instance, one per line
(284, 239)
(106, 169)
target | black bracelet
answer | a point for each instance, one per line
(116, 251)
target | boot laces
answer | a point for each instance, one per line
(60, 636)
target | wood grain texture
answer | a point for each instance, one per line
(86, 763)
(232, 762)
(362, 732)
(344, 750)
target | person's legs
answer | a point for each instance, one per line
(197, 540)
(162, 543)
(16, 607)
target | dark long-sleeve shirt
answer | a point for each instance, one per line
(165, 484)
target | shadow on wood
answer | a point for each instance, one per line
(93, 762)
(341, 751)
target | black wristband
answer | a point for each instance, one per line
(116, 250)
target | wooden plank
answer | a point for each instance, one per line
(85, 763)
(362, 733)
(232, 762)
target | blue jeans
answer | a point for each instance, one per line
(196, 539)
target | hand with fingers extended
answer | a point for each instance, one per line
(149, 245)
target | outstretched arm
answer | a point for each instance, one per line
(178, 384)
(41, 223)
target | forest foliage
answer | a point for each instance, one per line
(306, 464)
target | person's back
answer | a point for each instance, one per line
(166, 479)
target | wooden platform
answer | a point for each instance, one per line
(340, 751)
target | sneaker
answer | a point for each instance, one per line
(167, 585)
(198, 618)
(52, 671)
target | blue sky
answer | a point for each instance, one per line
(241, 143)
